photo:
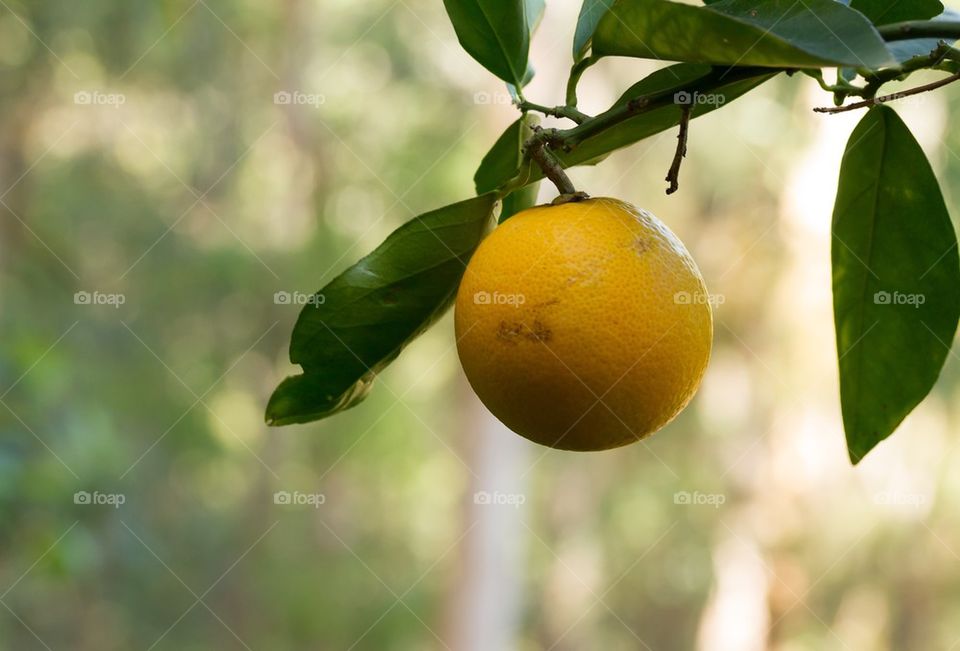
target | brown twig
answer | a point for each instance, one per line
(538, 151)
(673, 176)
(889, 98)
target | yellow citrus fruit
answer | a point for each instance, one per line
(583, 326)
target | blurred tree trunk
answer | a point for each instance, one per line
(486, 599)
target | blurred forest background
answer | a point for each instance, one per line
(155, 196)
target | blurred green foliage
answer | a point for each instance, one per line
(198, 198)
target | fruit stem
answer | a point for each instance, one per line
(552, 169)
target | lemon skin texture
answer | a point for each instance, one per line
(585, 325)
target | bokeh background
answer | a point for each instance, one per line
(145, 162)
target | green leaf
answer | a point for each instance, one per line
(896, 279)
(362, 319)
(497, 34)
(534, 9)
(773, 33)
(666, 84)
(590, 14)
(907, 49)
(884, 12)
(504, 158)
(518, 200)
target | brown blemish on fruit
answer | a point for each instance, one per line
(640, 245)
(552, 301)
(512, 332)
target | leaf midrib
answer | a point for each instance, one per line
(518, 79)
(858, 358)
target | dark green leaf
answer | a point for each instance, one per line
(496, 33)
(590, 13)
(525, 197)
(668, 82)
(915, 47)
(777, 33)
(884, 12)
(362, 319)
(504, 158)
(896, 279)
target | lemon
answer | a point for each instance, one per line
(583, 326)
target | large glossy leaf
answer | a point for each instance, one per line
(896, 279)
(664, 85)
(590, 13)
(497, 34)
(778, 33)
(884, 12)
(362, 319)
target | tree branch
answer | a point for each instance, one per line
(575, 73)
(889, 98)
(569, 112)
(947, 29)
(645, 103)
(538, 145)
